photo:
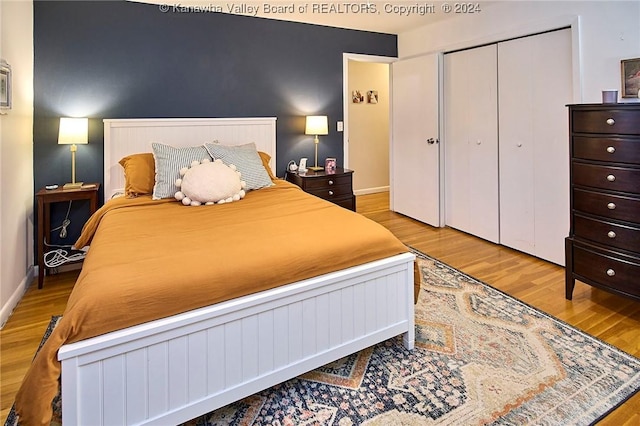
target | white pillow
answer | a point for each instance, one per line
(247, 161)
(169, 161)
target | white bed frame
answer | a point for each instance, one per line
(132, 136)
(174, 369)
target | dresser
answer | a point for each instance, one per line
(603, 246)
(336, 187)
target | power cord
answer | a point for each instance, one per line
(62, 255)
(65, 223)
(58, 257)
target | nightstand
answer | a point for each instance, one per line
(335, 187)
(47, 196)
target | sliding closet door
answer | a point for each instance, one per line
(470, 142)
(535, 84)
(415, 153)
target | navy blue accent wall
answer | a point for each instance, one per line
(116, 59)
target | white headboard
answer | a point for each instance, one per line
(123, 137)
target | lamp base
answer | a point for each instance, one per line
(76, 185)
(315, 168)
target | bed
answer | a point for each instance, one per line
(209, 347)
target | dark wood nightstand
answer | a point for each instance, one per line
(335, 187)
(47, 196)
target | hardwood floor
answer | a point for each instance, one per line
(614, 319)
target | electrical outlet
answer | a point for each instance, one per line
(340, 126)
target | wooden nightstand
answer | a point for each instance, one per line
(47, 196)
(335, 187)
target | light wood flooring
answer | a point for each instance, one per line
(614, 319)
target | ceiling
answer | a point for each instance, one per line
(391, 16)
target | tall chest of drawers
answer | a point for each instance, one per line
(603, 246)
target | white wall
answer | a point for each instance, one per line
(16, 156)
(369, 128)
(608, 32)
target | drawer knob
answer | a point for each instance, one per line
(330, 192)
(611, 272)
(611, 206)
(611, 234)
(330, 182)
(611, 149)
(611, 121)
(611, 178)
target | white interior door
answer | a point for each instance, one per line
(415, 148)
(535, 84)
(470, 141)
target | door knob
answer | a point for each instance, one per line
(430, 141)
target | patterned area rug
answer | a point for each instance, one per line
(481, 357)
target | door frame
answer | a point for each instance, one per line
(346, 96)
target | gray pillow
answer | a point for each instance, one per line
(169, 161)
(247, 161)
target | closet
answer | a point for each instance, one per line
(506, 157)
(471, 142)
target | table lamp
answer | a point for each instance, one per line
(316, 125)
(73, 131)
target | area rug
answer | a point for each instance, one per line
(481, 357)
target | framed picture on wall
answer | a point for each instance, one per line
(630, 78)
(372, 96)
(357, 97)
(5, 85)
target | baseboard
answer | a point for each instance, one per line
(371, 190)
(15, 298)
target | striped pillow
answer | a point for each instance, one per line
(169, 161)
(247, 161)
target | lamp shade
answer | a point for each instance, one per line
(73, 131)
(317, 125)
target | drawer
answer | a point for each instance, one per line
(614, 149)
(347, 202)
(623, 179)
(616, 207)
(606, 121)
(607, 268)
(325, 182)
(608, 233)
(331, 191)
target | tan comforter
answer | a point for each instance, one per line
(153, 259)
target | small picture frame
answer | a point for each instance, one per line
(630, 69)
(357, 97)
(5, 85)
(330, 165)
(372, 96)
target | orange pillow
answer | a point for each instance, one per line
(265, 162)
(139, 174)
